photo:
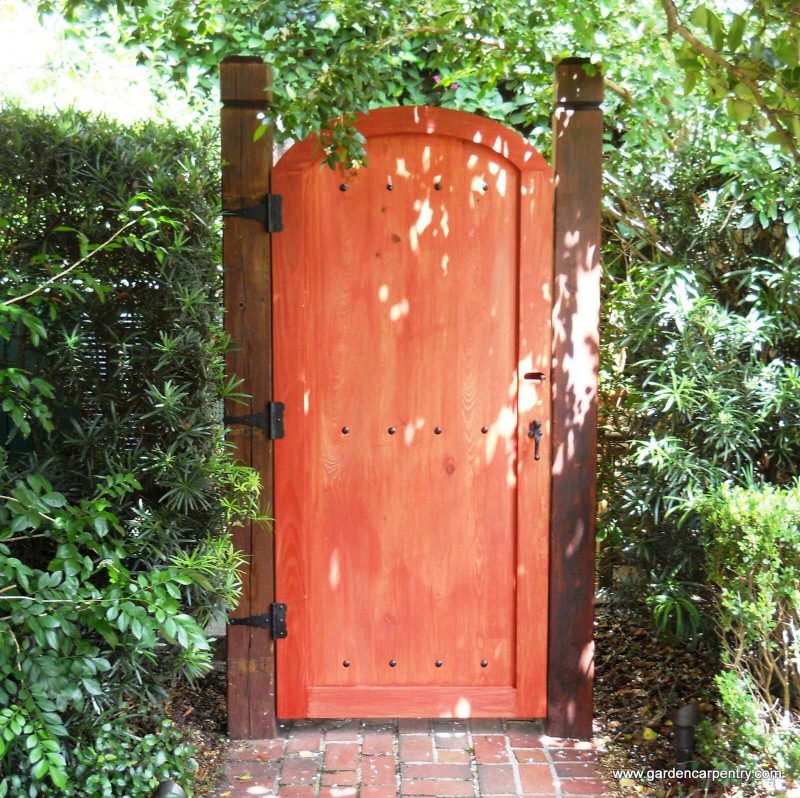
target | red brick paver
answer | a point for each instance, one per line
(427, 758)
(490, 749)
(341, 756)
(416, 748)
(496, 779)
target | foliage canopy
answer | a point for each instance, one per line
(332, 58)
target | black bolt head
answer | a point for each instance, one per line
(484, 430)
(484, 663)
(346, 663)
(392, 663)
(392, 430)
(438, 431)
(345, 430)
(389, 187)
(437, 186)
(343, 187)
(438, 663)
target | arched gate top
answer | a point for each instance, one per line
(433, 121)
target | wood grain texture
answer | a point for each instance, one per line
(413, 702)
(242, 82)
(533, 476)
(578, 129)
(247, 286)
(415, 308)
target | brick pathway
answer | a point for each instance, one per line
(385, 759)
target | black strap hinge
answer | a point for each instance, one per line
(269, 212)
(271, 420)
(275, 620)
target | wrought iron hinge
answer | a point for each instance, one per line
(275, 620)
(269, 212)
(271, 420)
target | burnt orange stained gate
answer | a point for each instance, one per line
(430, 325)
(411, 307)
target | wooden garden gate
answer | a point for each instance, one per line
(412, 414)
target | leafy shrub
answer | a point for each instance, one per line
(126, 752)
(746, 736)
(753, 560)
(117, 487)
(701, 367)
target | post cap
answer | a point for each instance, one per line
(574, 87)
(244, 79)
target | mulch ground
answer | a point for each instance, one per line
(640, 682)
(202, 710)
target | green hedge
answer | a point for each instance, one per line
(753, 560)
(700, 379)
(117, 488)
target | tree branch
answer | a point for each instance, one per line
(674, 26)
(620, 91)
(21, 537)
(65, 272)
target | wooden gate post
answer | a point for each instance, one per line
(246, 167)
(577, 146)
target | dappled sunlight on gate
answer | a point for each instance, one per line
(401, 336)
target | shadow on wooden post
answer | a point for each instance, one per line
(577, 145)
(246, 168)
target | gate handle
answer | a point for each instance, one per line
(535, 432)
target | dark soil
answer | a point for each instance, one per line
(640, 681)
(201, 709)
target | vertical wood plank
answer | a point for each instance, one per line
(246, 167)
(577, 129)
(533, 476)
(301, 214)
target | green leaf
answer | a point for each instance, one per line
(796, 127)
(747, 220)
(736, 31)
(699, 17)
(54, 500)
(58, 777)
(777, 137)
(92, 686)
(107, 632)
(715, 30)
(40, 769)
(328, 22)
(739, 110)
